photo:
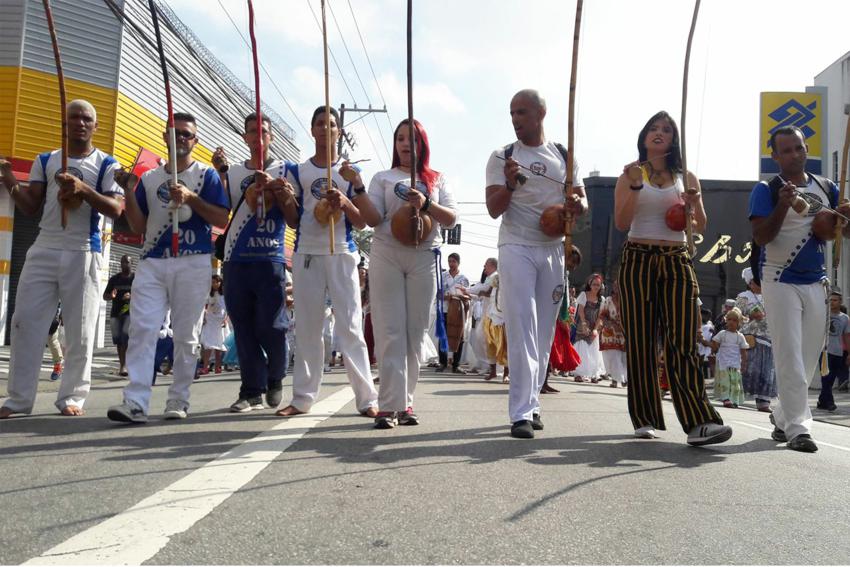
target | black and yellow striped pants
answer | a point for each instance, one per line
(658, 290)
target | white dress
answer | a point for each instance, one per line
(212, 333)
(591, 365)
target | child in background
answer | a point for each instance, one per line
(212, 333)
(704, 342)
(759, 375)
(730, 346)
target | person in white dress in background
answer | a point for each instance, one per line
(212, 333)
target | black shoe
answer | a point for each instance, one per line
(522, 429)
(777, 435)
(843, 387)
(536, 422)
(275, 394)
(803, 443)
(407, 417)
(832, 407)
(440, 369)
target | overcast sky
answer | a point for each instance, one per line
(471, 56)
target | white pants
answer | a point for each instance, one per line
(796, 318)
(181, 284)
(402, 288)
(311, 275)
(532, 284)
(49, 277)
(615, 364)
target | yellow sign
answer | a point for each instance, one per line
(803, 110)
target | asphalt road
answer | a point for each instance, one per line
(222, 488)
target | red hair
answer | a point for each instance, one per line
(423, 154)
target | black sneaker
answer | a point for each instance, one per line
(522, 429)
(386, 420)
(244, 405)
(407, 417)
(275, 394)
(536, 422)
(832, 407)
(777, 435)
(803, 443)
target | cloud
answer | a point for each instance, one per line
(428, 96)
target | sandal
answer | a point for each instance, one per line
(289, 411)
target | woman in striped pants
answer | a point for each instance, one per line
(659, 287)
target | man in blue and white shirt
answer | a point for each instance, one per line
(163, 281)
(255, 272)
(793, 277)
(63, 265)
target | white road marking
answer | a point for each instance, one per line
(770, 430)
(137, 534)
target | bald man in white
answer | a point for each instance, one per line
(63, 265)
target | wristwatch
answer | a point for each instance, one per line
(359, 190)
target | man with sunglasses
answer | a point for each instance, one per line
(64, 262)
(163, 281)
(254, 269)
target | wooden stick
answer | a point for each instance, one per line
(689, 230)
(261, 203)
(410, 124)
(172, 137)
(328, 142)
(569, 219)
(63, 110)
(842, 192)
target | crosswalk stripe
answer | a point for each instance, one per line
(137, 534)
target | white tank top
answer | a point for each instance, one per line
(652, 205)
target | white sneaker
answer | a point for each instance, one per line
(709, 433)
(176, 409)
(646, 432)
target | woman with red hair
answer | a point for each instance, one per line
(402, 277)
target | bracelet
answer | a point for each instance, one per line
(638, 188)
(14, 189)
(427, 204)
(359, 190)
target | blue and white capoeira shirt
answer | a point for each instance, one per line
(153, 196)
(97, 170)
(795, 256)
(310, 183)
(248, 241)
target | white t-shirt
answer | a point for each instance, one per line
(707, 330)
(729, 350)
(195, 234)
(388, 193)
(97, 170)
(521, 220)
(310, 182)
(248, 241)
(450, 286)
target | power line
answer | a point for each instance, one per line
(336, 64)
(369, 60)
(268, 75)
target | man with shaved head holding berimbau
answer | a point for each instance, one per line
(531, 264)
(63, 265)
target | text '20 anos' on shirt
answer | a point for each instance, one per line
(795, 256)
(153, 196)
(97, 170)
(521, 220)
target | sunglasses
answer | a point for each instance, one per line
(184, 134)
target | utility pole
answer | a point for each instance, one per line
(345, 136)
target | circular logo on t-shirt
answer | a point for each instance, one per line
(401, 189)
(73, 171)
(557, 294)
(538, 168)
(163, 194)
(246, 182)
(319, 187)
